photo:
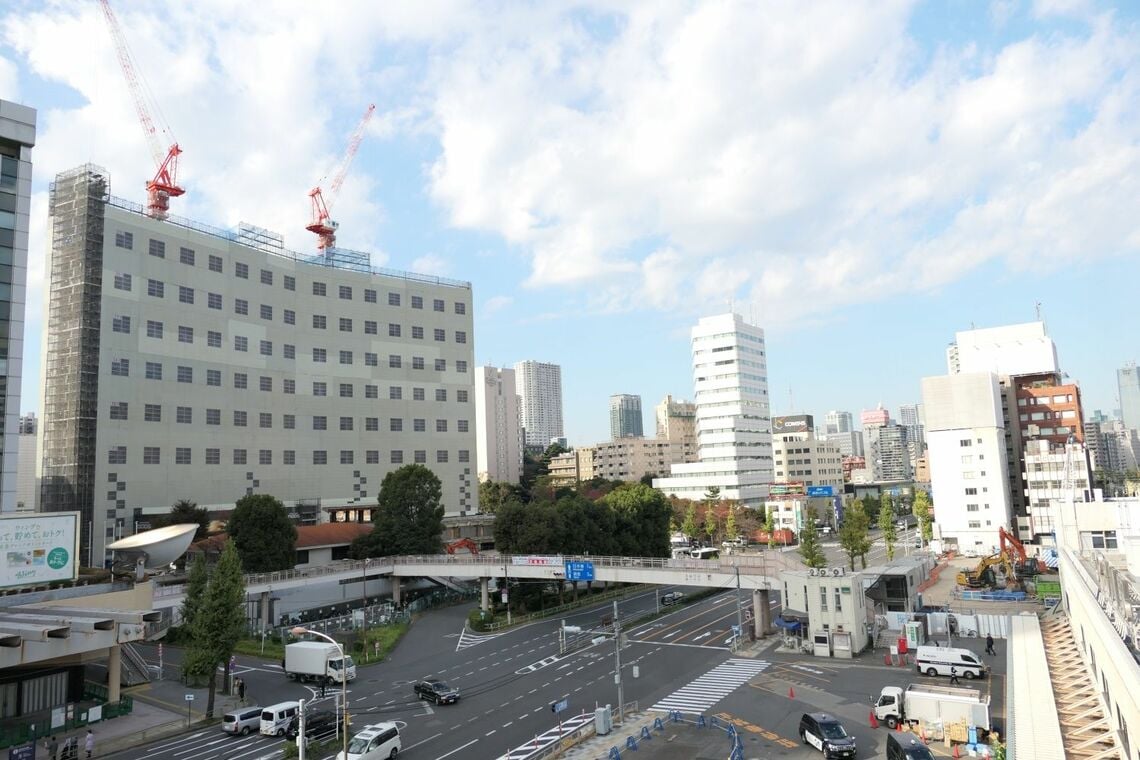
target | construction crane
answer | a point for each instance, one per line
(164, 185)
(323, 224)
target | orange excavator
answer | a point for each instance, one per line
(1011, 558)
(461, 543)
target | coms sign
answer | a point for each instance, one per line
(797, 423)
(38, 548)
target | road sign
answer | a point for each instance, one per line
(820, 491)
(557, 707)
(579, 571)
(189, 697)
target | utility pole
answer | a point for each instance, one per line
(617, 665)
(739, 610)
(301, 729)
(506, 590)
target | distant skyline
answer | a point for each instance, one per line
(860, 179)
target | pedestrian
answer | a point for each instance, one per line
(990, 645)
(53, 749)
(241, 690)
(324, 683)
(954, 677)
(89, 744)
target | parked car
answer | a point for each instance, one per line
(243, 721)
(906, 747)
(827, 734)
(317, 723)
(673, 597)
(437, 691)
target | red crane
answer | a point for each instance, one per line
(322, 223)
(164, 185)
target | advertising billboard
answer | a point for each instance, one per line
(796, 423)
(38, 548)
(820, 491)
(786, 489)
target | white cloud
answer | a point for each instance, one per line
(9, 80)
(496, 303)
(431, 264)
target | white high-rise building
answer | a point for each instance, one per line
(498, 453)
(1024, 349)
(1128, 385)
(838, 422)
(965, 435)
(625, 416)
(540, 388)
(734, 432)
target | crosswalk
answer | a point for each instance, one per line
(712, 687)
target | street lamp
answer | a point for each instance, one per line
(299, 631)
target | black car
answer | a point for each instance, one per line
(317, 723)
(673, 597)
(826, 733)
(437, 691)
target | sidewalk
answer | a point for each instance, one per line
(679, 741)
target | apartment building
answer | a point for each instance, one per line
(497, 425)
(677, 421)
(1128, 385)
(888, 453)
(189, 362)
(539, 387)
(1053, 472)
(625, 416)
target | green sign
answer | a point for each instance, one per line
(57, 558)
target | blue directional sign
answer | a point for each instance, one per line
(820, 491)
(579, 571)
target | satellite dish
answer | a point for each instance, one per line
(155, 548)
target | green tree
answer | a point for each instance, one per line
(921, 510)
(641, 516)
(409, 516)
(770, 527)
(730, 524)
(647, 479)
(870, 508)
(810, 548)
(196, 584)
(689, 526)
(554, 450)
(494, 494)
(853, 535)
(712, 495)
(219, 622)
(184, 512)
(263, 534)
(887, 523)
(712, 525)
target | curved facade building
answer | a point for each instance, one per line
(185, 362)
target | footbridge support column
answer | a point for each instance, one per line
(762, 612)
(396, 590)
(264, 599)
(114, 672)
(484, 594)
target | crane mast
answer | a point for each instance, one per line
(164, 185)
(322, 223)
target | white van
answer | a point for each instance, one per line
(275, 718)
(937, 661)
(376, 742)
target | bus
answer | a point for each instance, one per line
(706, 552)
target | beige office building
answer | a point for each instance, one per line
(677, 422)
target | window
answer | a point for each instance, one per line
(420, 456)
(118, 410)
(185, 334)
(372, 424)
(185, 295)
(440, 335)
(838, 600)
(417, 394)
(441, 394)
(289, 351)
(369, 296)
(152, 455)
(393, 330)
(241, 270)
(121, 325)
(319, 289)
(152, 412)
(372, 456)
(417, 302)
(289, 386)
(122, 282)
(213, 416)
(823, 598)
(117, 454)
(125, 240)
(320, 423)
(417, 332)
(971, 507)
(289, 421)
(345, 457)
(266, 277)
(290, 282)
(214, 339)
(441, 426)
(965, 442)
(185, 374)
(265, 420)
(346, 357)
(460, 336)
(157, 248)
(239, 418)
(265, 456)
(395, 392)
(441, 365)
(417, 362)
(345, 325)
(214, 301)
(974, 523)
(241, 343)
(186, 255)
(345, 292)
(181, 455)
(393, 299)
(971, 492)
(214, 377)
(184, 415)
(320, 388)
(464, 456)
(320, 355)
(345, 424)
(319, 321)
(460, 365)
(437, 304)
(346, 390)
(320, 457)
(153, 371)
(396, 425)
(460, 307)
(419, 425)
(371, 391)
(241, 306)
(265, 347)
(289, 456)
(1105, 539)
(241, 380)
(462, 426)
(369, 327)
(461, 396)
(290, 317)
(155, 288)
(371, 359)
(214, 264)
(266, 311)
(153, 329)
(239, 456)
(396, 457)
(393, 361)
(213, 456)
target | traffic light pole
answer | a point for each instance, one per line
(617, 666)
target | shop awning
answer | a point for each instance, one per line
(787, 625)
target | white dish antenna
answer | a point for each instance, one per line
(156, 548)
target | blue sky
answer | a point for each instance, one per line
(862, 178)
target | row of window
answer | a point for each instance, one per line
(120, 410)
(188, 256)
(184, 455)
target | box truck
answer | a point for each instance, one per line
(317, 660)
(919, 702)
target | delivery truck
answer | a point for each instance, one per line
(919, 702)
(317, 660)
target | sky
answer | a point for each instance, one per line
(861, 179)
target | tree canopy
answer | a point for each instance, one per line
(494, 494)
(921, 510)
(219, 621)
(887, 523)
(409, 515)
(853, 535)
(263, 534)
(185, 511)
(810, 548)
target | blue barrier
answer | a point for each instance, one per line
(658, 725)
(631, 743)
(645, 735)
(614, 754)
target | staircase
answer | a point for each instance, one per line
(133, 668)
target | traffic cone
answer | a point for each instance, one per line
(874, 721)
(791, 693)
(957, 750)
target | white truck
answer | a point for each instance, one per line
(896, 706)
(317, 660)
